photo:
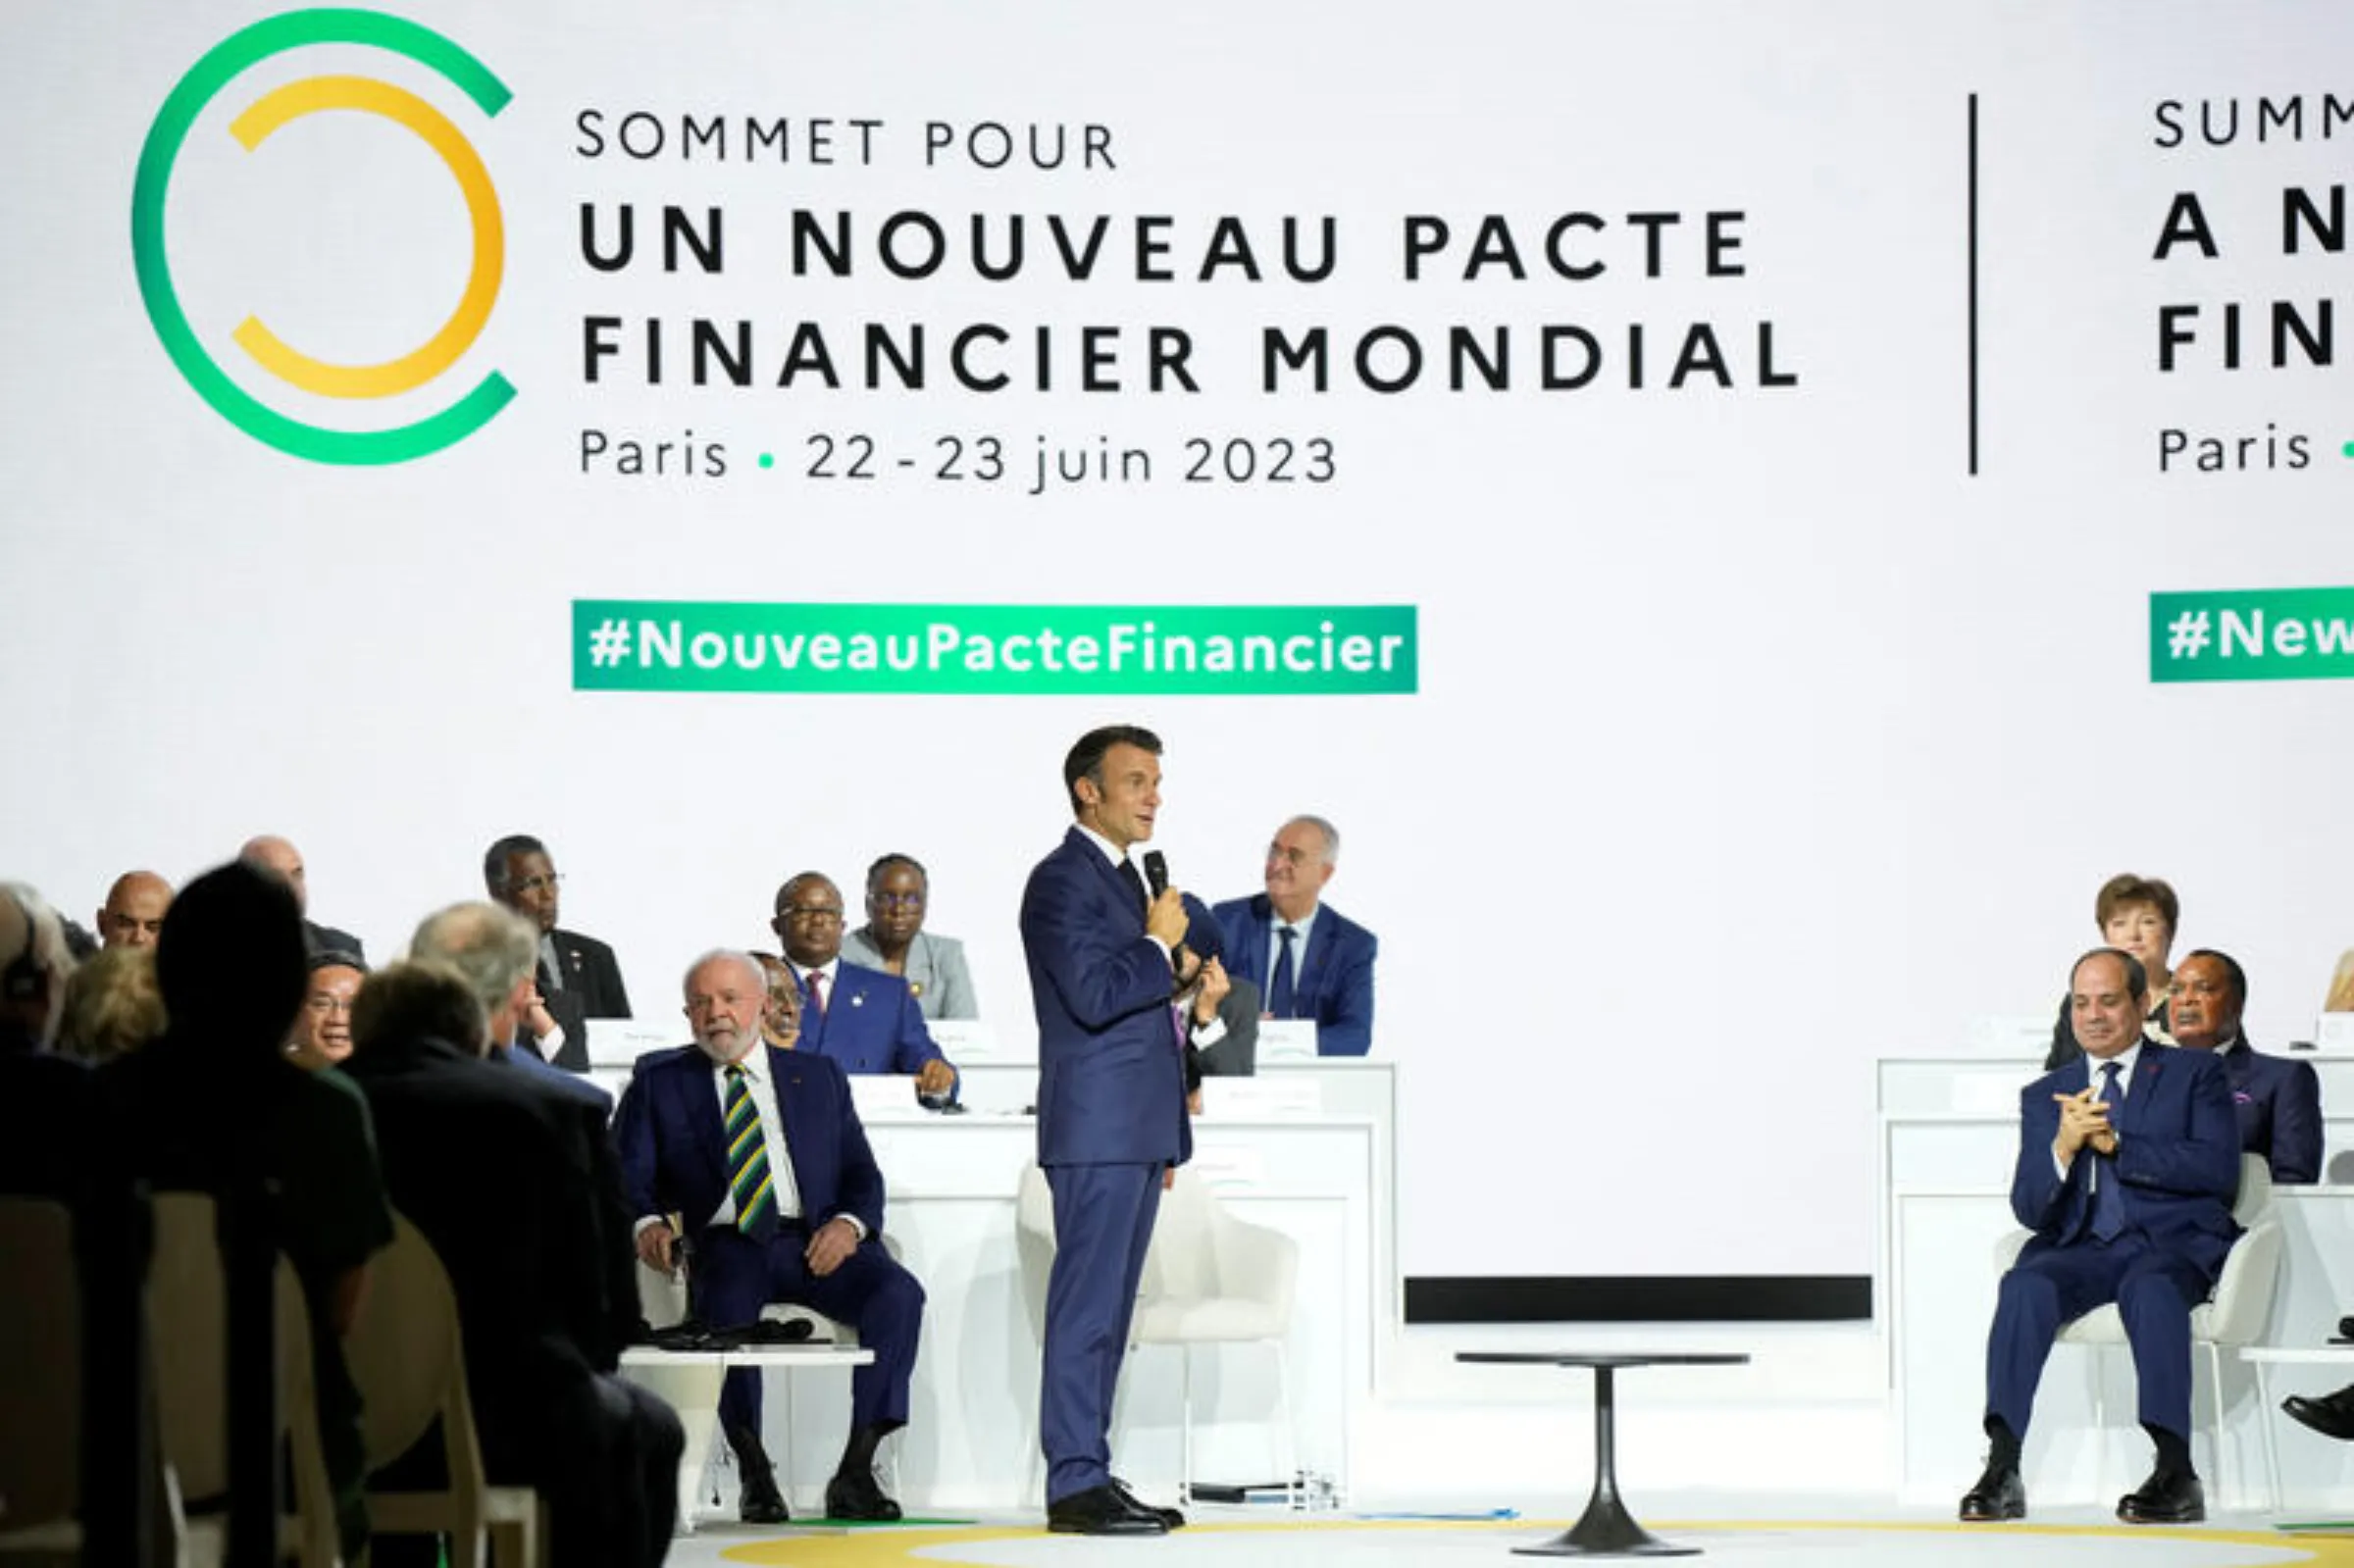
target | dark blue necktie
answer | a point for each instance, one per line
(1282, 992)
(2108, 1193)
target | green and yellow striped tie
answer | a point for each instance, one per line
(748, 1162)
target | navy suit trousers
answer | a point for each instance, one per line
(734, 1277)
(2051, 1286)
(1103, 1227)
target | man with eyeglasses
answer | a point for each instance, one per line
(1307, 959)
(579, 978)
(322, 1035)
(861, 1018)
(894, 940)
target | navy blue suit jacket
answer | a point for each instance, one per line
(872, 1023)
(2177, 1157)
(1110, 1067)
(1335, 987)
(674, 1144)
(2280, 1106)
(571, 1084)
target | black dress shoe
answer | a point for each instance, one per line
(758, 1502)
(1169, 1517)
(1999, 1494)
(1101, 1511)
(858, 1497)
(2167, 1497)
(2332, 1414)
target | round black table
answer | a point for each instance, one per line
(1607, 1528)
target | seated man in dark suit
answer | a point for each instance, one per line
(2128, 1159)
(579, 977)
(452, 937)
(2278, 1101)
(1221, 1029)
(511, 1180)
(1307, 959)
(864, 1019)
(759, 1155)
(271, 853)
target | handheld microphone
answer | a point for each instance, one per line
(1157, 872)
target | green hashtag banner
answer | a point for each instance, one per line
(2252, 635)
(1014, 650)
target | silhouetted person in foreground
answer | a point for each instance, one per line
(215, 1106)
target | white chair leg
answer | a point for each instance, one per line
(2215, 1385)
(2100, 1419)
(785, 1471)
(1185, 1426)
(1287, 1453)
(2272, 1449)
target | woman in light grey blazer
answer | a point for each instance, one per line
(894, 940)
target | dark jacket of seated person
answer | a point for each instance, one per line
(2277, 1101)
(511, 1180)
(215, 1102)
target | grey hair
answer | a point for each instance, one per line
(752, 966)
(1332, 835)
(492, 948)
(45, 933)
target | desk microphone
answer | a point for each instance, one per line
(1157, 872)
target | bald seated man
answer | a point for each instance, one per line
(271, 853)
(133, 915)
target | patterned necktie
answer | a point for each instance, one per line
(1281, 998)
(1135, 879)
(2108, 1193)
(748, 1162)
(817, 993)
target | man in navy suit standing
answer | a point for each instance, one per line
(2128, 1160)
(1106, 957)
(760, 1152)
(1307, 959)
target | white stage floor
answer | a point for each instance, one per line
(1776, 1533)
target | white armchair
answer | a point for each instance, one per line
(2232, 1317)
(1210, 1279)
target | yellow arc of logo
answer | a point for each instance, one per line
(457, 334)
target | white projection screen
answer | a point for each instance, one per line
(1744, 514)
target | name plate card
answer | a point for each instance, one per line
(1287, 1040)
(963, 1039)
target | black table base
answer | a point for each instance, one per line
(1606, 1529)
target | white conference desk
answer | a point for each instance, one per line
(972, 1435)
(1306, 1147)
(1328, 1085)
(1949, 1139)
